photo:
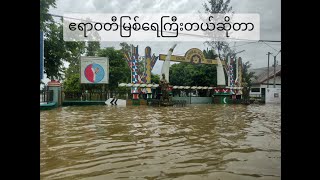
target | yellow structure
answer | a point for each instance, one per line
(148, 71)
(148, 66)
(194, 56)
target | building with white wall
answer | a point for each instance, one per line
(260, 84)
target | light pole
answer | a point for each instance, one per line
(274, 69)
(268, 69)
(274, 72)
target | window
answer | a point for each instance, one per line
(255, 89)
(276, 95)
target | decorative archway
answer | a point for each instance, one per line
(196, 56)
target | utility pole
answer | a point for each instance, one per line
(268, 70)
(274, 72)
(228, 72)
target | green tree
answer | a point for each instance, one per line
(54, 51)
(53, 42)
(186, 74)
(155, 78)
(215, 7)
(74, 50)
(181, 74)
(125, 47)
(72, 83)
(246, 79)
(119, 70)
(44, 16)
(210, 54)
(93, 48)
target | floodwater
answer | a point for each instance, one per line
(139, 142)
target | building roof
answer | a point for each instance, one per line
(261, 74)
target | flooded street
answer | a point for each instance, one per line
(140, 142)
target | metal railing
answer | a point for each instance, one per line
(46, 96)
(192, 93)
(94, 95)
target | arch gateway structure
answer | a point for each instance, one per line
(224, 93)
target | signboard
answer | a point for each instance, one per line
(94, 70)
(41, 55)
(193, 55)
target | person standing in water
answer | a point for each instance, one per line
(164, 87)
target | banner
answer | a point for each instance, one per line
(94, 70)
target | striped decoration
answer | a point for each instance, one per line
(231, 74)
(240, 72)
(126, 55)
(134, 64)
(132, 59)
(153, 61)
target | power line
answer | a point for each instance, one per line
(269, 46)
(71, 18)
(278, 52)
(246, 44)
(269, 41)
(278, 44)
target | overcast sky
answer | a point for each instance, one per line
(270, 23)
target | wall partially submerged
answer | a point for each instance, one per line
(273, 95)
(195, 100)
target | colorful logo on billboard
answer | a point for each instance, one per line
(94, 73)
(94, 70)
(195, 56)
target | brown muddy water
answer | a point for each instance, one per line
(141, 142)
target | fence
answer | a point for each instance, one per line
(95, 95)
(46, 96)
(192, 92)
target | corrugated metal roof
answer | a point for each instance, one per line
(261, 74)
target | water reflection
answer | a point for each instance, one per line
(193, 142)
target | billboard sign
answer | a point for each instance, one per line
(94, 70)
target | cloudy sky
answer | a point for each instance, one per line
(270, 23)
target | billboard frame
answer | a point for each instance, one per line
(94, 58)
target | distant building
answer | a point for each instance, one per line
(260, 84)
